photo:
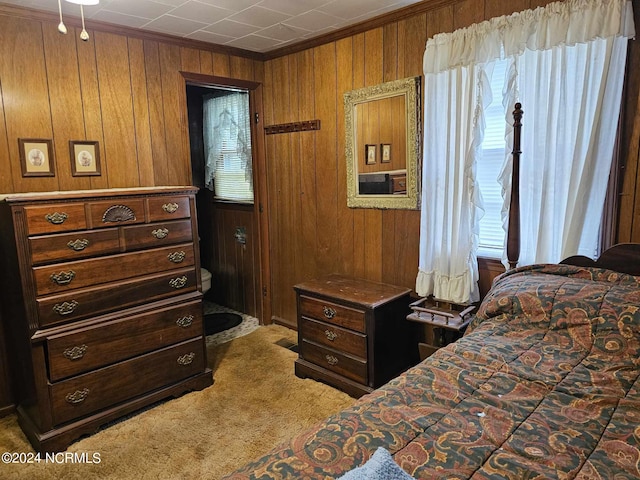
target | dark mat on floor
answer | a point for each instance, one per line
(219, 322)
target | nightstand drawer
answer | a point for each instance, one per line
(335, 337)
(85, 394)
(332, 313)
(83, 350)
(349, 367)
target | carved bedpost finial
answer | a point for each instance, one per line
(513, 232)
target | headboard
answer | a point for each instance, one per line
(623, 257)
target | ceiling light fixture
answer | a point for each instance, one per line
(84, 35)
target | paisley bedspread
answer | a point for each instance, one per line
(544, 385)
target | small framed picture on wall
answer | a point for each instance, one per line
(85, 158)
(385, 153)
(36, 157)
(370, 154)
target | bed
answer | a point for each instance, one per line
(545, 384)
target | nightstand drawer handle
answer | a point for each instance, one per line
(63, 278)
(186, 359)
(160, 233)
(170, 207)
(331, 360)
(56, 218)
(65, 308)
(77, 397)
(329, 312)
(75, 353)
(179, 282)
(78, 245)
(185, 322)
(176, 257)
(331, 336)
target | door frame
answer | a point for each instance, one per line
(260, 200)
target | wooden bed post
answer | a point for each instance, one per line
(513, 229)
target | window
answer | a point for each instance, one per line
(227, 139)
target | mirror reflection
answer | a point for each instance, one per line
(382, 145)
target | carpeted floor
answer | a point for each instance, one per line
(255, 403)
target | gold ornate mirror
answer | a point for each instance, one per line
(383, 145)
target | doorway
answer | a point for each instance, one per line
(231, 230)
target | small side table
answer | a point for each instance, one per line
(444, 322)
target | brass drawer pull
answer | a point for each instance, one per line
(179, 282)
(63, 278)
(185, 322)
(331, 360)
(160, 233)
(329, 312)
(176, 257)
(77, 397)
(170, 207)
(331, 335)
(65, 308)
(78, 245)
(186, 359)
(75, 353)
(56, 218)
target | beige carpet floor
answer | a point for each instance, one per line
(255, 403)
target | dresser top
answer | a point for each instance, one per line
(354, 290)
(97, 193)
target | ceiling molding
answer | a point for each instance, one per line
(376, 22)
(70, 21)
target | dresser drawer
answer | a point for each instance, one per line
(335, 337)
(347, 366)
(106, 387)
(123, 211)
(92, 301)
(157, 234)
(89, 348)
(53, 218)
(63, 277)
(169, 208)
(71, 246)
(332, 313)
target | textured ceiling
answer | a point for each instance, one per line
(256, 25)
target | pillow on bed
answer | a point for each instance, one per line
(379, 467)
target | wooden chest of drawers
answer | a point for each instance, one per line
(353, 334)
(101, 304)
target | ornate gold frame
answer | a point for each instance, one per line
(410, 88)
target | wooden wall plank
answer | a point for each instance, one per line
(88, 73)
(66, 102)
(467, 12)
(117, 110)
(359, 233)
(326, 158)
(25, 96)
(141, 112)
(6, 181)
(190, 60)
(206, 62)
(344, 61)
(240, 68)
(498, 8)
(221, 65)
(175, 112)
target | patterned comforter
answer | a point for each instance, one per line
(544, 385)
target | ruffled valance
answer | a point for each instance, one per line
(559, 23)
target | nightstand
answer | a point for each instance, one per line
(443, 322)
(353, 334)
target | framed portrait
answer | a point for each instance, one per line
(85, 158)
(36, 157)
(369, 154)
(385, 153)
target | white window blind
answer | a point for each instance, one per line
(227, 137)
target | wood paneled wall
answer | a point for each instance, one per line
(125, 92)
(311, 229)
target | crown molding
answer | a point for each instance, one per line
(97, 26)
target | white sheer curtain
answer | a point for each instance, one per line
(227, 141)
(456, 67)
